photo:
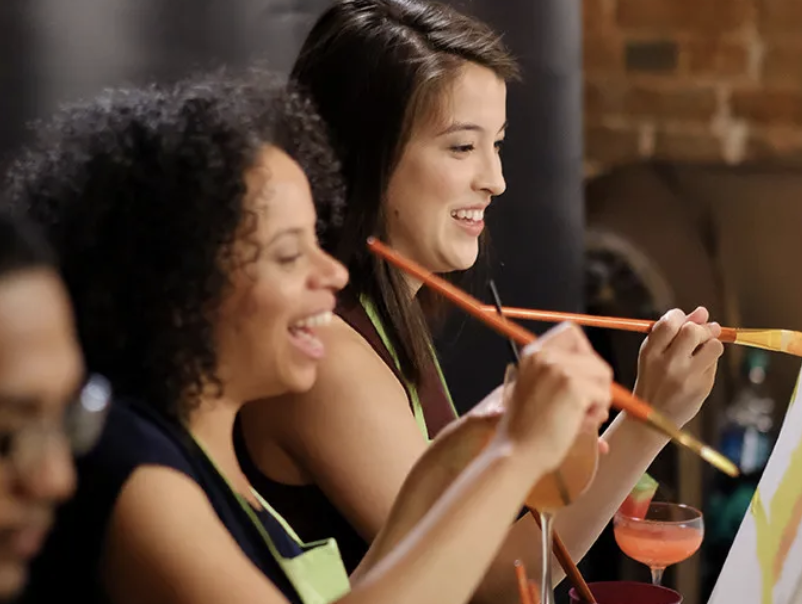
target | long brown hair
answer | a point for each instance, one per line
(374, 68)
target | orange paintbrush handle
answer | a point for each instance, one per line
(523, 583)
(622, 398)
(728, 334)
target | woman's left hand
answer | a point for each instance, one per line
(677, 363)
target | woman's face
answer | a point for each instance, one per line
(40, 372)
(449, 173)
(284, 286)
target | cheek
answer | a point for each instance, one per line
(266, 306)
(256, 308)
(422, 194)
(251, 305)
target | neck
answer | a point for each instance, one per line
(212, 424)
(413, 285)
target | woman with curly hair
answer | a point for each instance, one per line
(414, 94)
(187, 235)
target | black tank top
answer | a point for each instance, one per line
(134, 436)
(306, 508)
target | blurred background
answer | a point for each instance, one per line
(653, 161)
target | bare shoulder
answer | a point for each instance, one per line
(354, 388)
(351, 363)
(152, 552)
(350, 374)
(353, 434)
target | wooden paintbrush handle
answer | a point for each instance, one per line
(553, 316)
(728, 334)
(567, 564)
(622, 398)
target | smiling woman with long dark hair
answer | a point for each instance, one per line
(414, 94)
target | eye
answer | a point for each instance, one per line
(6, 443)
(462, 148)
(289, 259)
(499, 145)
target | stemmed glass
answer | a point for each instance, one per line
(668, 534)
(559, 489)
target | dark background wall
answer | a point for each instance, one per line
(52, 51)
(535, 251)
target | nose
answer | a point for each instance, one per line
(491, 180)
(329, 272)
(53, 477)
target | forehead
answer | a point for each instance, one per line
(477, 95)
(277, 187)
(39, 355)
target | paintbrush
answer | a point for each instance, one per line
(622, 398)
(776, 340)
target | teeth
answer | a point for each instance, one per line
(318, 320)
(472, 215)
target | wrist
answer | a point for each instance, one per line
(678, 408)
(529, 460)
(636, 432)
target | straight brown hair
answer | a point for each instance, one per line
(374, 69)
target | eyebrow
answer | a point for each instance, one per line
(24, 405)
(297, 231)
(467, 126)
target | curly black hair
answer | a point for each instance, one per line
(141, 193)
(22, 246)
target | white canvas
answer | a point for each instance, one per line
(764, 565)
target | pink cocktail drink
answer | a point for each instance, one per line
(659, 546)
(670, 533)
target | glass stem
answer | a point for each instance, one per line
(657, 576)
(547, 527)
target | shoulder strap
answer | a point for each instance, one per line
(430, 400)
(366, 323)
(357, 317)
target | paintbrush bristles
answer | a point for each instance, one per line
(775, 340)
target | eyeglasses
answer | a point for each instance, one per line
(79, 431)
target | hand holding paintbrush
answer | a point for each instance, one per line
(623, 399)
(560, 551)
(777, 340)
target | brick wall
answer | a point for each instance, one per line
(714, 81)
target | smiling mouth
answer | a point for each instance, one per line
(303, 336)
(474, 216)
(24, 542)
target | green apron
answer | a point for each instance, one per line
(318, 574)
(417, 409)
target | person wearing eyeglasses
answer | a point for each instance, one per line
(47, 411)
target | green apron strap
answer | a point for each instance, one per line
(443, 381)
(317, 574)
(249, 509)
(417, 409)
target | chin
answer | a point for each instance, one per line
(300, 380)
(461, 260)
(13, 577)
